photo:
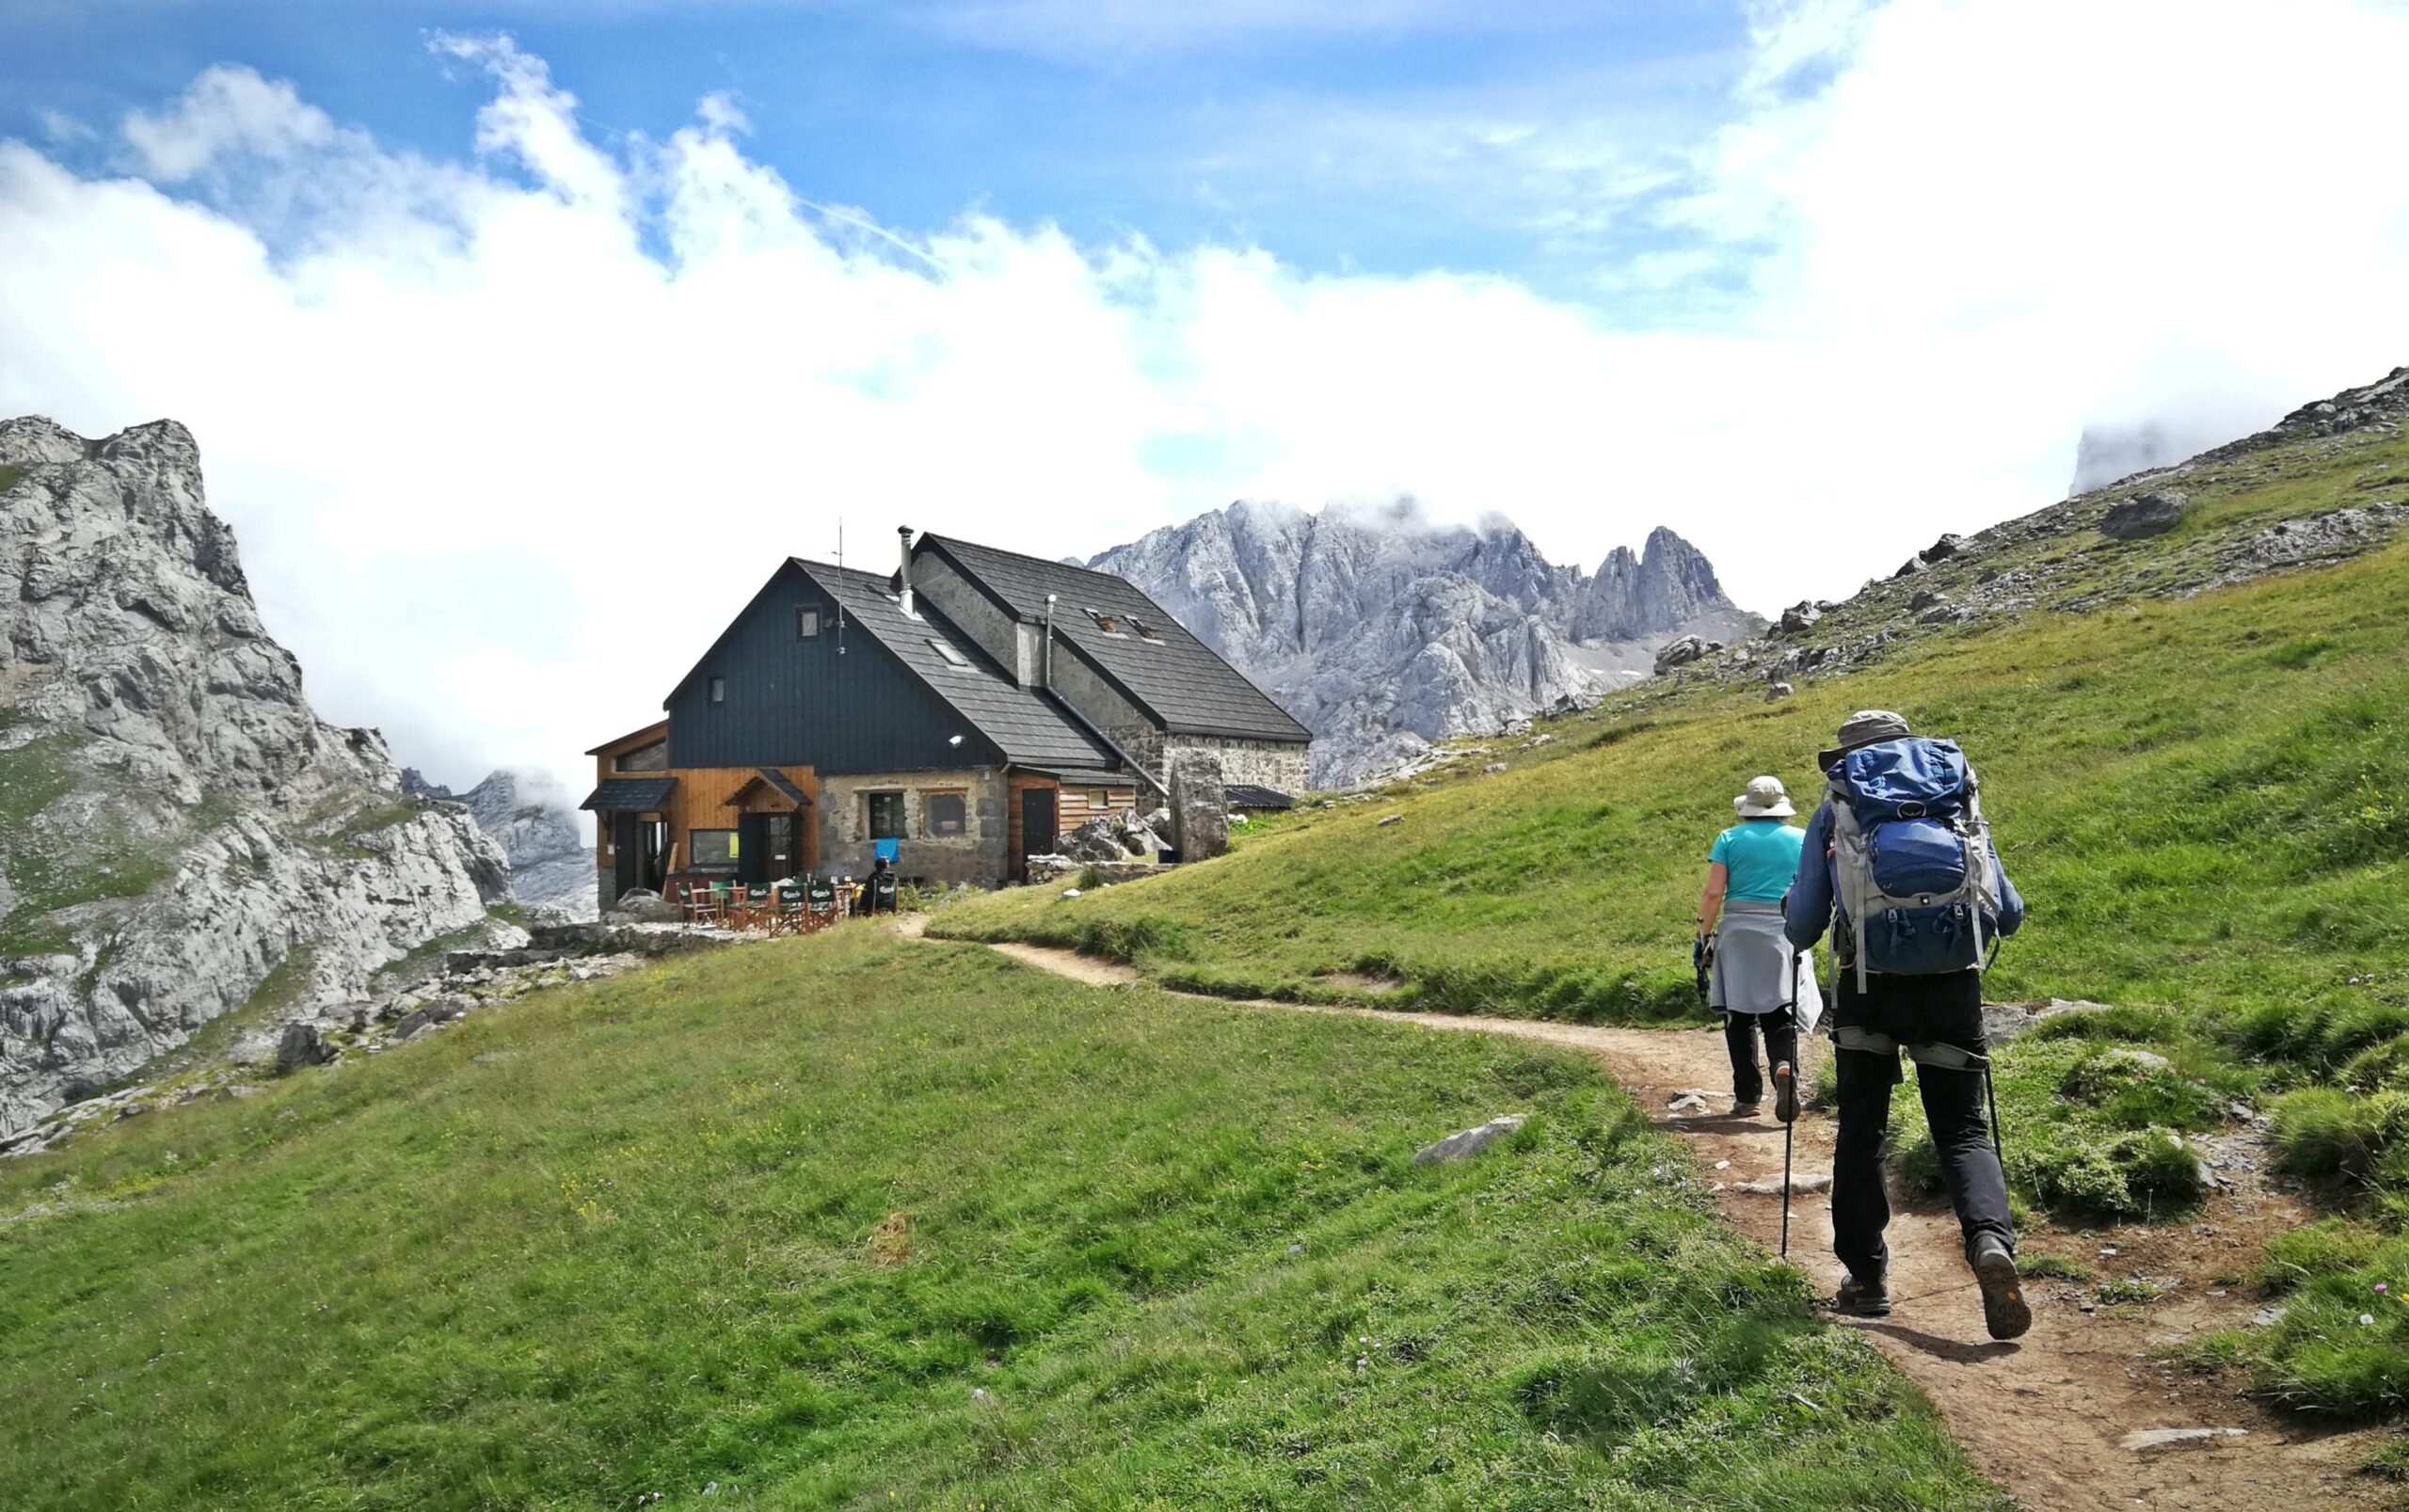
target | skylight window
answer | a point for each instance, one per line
(952, 656)
(1145, 631)
(1103, 622)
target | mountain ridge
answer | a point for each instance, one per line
(179, 826)
(1385, 633)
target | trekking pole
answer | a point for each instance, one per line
(1786, 1133)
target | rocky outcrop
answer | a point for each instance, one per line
(1199, 807)
(182, 836)
(552, 868)
(2143, 515)
(1385, 634)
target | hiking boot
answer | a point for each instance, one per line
(1862, 1298)
(1786, 1093)
(1746, 1110)
(2004, 1311)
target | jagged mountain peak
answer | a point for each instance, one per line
(228, 826)
(1382, 629)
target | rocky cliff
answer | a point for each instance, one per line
(552, 868)
(1383, 632)
(180, 836)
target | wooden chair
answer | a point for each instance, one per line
(788, 917)
(703, 903)
(820, 901)
(757, 906)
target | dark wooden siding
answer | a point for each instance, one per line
(804, 703)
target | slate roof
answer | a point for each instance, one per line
(629, 795)
(1247, 795)
(1028, 729)
(1176, 678)
(776, 781)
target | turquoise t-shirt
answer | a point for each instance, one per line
(1763, 855)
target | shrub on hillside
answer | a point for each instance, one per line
(2321, 1131)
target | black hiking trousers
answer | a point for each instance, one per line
(1946, 1009)
(1780, 1028)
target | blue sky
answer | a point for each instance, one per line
(462, 302)
(1409, 137)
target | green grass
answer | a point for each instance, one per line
(2205, 800)
(852, 1222)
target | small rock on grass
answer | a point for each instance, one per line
(1468, 1144)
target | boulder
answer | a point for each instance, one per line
(1943, 549)
(1111, 837)
(1778, 693)
(1469, 1143)
(1200, 809)
(1910, 567)
(302, 1046)
(1925, 598)
(642, 905)
(1679, 653)
(2144, 516)
(1800, 616)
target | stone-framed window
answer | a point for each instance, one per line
(882, 813)
(945, 815)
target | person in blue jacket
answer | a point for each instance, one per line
(1938, 1020)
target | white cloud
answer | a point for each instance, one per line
(227, 109)
(506, 441)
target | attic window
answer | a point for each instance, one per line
(1145, 631)
(719, 689)
(806, 624)
(952, 656)
(1103, 622)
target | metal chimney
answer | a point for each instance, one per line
(903, 533)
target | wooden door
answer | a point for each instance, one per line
(626, 856)
(1037, 835)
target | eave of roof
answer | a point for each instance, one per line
(644, 737)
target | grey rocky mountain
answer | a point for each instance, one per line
(1385, 634)
(552, 868)
(181, 835)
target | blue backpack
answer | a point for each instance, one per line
(1911, 858)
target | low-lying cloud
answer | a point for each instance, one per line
(507, 437)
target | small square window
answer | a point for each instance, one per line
(886, 815)
(952, 656)
(948, 815)
(1099, 801)
(719, 689)
(1145, 631)
(806, 624)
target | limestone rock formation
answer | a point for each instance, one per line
(180, 836)
(2143, 515)
(1383, 632)
(552, 868)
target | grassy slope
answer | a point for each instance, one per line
(768, 1218)
(2206, 800)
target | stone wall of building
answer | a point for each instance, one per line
(1279, 765)
(1001, 635)
(980, 855)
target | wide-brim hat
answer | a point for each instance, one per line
(1765, 798)
(1867, 726)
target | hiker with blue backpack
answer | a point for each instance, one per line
(1748, 970)
(1898, 865)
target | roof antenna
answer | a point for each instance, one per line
(840, 568)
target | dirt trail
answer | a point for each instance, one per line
(2043, 1415)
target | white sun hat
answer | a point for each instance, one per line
(1766, 799)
